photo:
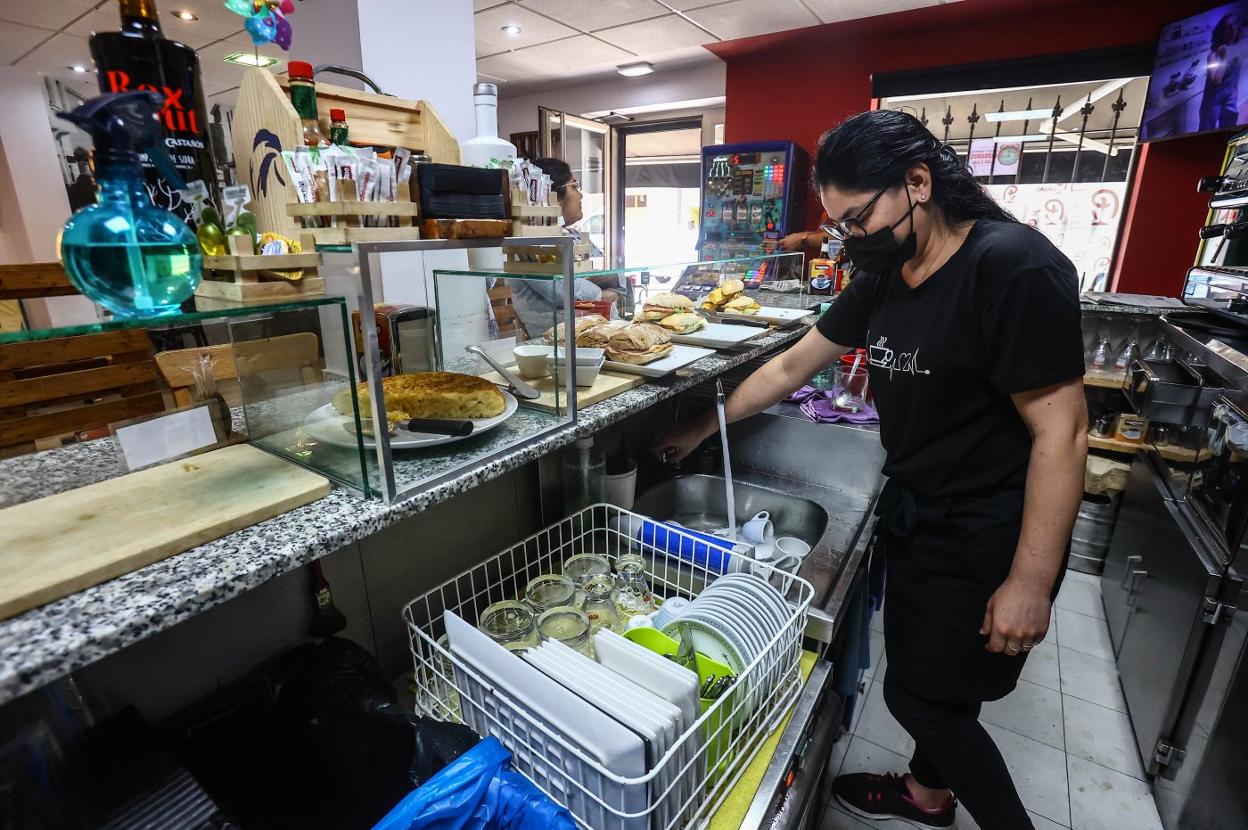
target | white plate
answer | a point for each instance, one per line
(680, 357)
(708, 640)
(632, 706)
(730, 629)
(675, 684)
(766, 618)
(327, 425)
(719, 336)
(743, 621)
(597, 736)
(764, 590)
(774, 315)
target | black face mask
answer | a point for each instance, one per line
(879, 252)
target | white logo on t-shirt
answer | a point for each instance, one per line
(882, 357)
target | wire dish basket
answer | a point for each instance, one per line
(681, 787)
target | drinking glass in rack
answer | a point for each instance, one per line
(511, 624)
(549, 591)
(581, 568)
(569, 626)
(600, 604)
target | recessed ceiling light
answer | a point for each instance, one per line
(183, 14)
(632, 70)
(249, 59)
(512, 29)
(78, 68)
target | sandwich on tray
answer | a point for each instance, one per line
(639, 344)
(663, 305)
(727, 290)
(741, 305)
(684, 322)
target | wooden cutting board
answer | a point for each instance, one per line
(54, 546)
(607, 384)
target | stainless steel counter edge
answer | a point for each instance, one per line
(49, 642)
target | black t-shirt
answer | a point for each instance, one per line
(1000, 317)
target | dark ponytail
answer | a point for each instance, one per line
(874, 149)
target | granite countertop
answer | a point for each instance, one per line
(51, 641)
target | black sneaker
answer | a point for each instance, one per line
(886, 796)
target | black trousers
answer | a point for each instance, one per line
(945, 558)
(953, 751)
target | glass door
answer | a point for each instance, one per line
(586, 146)
(659, 165)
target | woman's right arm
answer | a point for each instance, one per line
(774, 382)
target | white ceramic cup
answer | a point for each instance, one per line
(622, 488)
(759, 530)
(791, 546)
(532, 361)
(669, 611)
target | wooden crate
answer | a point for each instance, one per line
(265, 123)
(520, 259)
(534, 220)
(349, 212)
(243, 278)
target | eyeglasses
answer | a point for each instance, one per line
(561, 189)
(853, 226)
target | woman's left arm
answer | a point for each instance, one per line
(1017, 615)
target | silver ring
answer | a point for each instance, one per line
(1011, 649)
(1028, 646)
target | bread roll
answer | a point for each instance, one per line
(638, 344)
(685, 322)
(579, 325)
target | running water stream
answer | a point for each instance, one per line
(730, 507)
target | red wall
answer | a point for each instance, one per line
(795, 85)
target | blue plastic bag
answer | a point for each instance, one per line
(478, 791)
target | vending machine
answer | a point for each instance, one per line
(751, 197)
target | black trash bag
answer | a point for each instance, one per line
(316, 738)
(437, 745)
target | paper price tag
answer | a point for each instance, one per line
(166, 437)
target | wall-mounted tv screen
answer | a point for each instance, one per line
(1200, 78)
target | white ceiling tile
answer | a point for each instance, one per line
(686, 5)
(484, 49)
(515, 66)
(43, 14)
(659, 35)
(482, 5)
(600, 14)
(834, 11)
(577, 53)
(535, 29)
(57, 54)
(16, 40)
(100, 20)
(746, 18)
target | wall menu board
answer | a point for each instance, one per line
(1082, 220)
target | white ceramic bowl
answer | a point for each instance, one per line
(532, 361)
(584, 356)
(586, 374)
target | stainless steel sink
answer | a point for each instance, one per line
(698, 503)
(818, 481)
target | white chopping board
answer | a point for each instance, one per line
(719, 335)
(55, 546)
(774, 315)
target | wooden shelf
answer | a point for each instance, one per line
(1105, 380)
(1181, 455)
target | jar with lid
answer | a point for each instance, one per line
(303, 97)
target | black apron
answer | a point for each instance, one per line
(946, 557)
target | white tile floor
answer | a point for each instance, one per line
(1064, 731)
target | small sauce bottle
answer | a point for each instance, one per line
(303, 96)
(338, 127)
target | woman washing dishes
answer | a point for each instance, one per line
(535, 302)
(971, 321)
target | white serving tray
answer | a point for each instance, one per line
(679, 358)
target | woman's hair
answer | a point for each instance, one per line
(1223, 33)
(559, 172)
(874, 149)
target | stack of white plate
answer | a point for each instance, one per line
(733, 620)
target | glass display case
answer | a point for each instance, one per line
(446, 324)
(266, 370)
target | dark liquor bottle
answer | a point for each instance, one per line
(139, 57)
